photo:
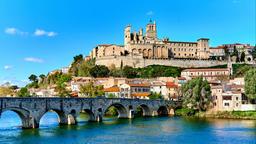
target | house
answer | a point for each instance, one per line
(135, 90)
(76, 82)
(207, 73)
(112, 92)
(172, 91)
(159, 87)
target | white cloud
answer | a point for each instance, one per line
(14, 31)
(33, 59)
(7, 67)
(150, 13)
(41, 32)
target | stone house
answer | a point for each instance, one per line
(135, 90)
(172, 91)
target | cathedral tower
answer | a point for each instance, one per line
(151, 32)
(127, 35)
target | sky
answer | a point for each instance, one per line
(40, 36)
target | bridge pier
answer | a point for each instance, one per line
(29, 123)
(67, 119)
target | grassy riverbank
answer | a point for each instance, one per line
(225, 114)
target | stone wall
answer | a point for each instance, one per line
(138, 61)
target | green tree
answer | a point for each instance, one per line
(196, 94)
(84, 68)
(250, 83)
(129, 72)
(33, 78)
(99, 71)
(77, 60)
(242, 58)
(155, 95)
(90, 90)
(23, 92)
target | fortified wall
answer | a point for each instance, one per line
(140, 62)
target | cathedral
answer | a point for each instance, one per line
(149, 46)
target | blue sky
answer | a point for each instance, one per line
(40, 36)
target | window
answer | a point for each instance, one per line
(236, 104)
(226, 104)
(237, 98)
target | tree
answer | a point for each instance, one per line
(250, 83)
(155, 95)
(91, 90)
(6, 91)
(99, 71)
(129, 72)
(254, 52)
(196, 94)
(23, 92)
(77, 60)
(33, 78)
(242, 58)
(84, 69)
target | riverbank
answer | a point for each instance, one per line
(248, 115)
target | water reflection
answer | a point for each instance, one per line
(139, 130)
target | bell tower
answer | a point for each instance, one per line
(127, 35)
(151, 32)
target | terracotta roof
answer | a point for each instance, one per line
(145, 94)
(209, 69)
(157, 83)
(181, 78)
(112, 89)
(171, 85)
(139, 84)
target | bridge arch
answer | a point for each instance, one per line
(163, 111)
(63, 118)
(90, 113)
(24, 115)
(121, 109)
(146, 111)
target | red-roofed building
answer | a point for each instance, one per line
(172, 90)
(209, 74)
(112, 92)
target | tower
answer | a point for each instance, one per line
(127, 35)
(203, 48)
(151, 30)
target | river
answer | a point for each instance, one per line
(169, 130)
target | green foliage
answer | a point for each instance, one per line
(112, 96)
(129, 72)
(155, 95)
(196, 94)
(23, 92)
(90, 90)
(236, 114)
(242, 57)
(254, 52)
(99, 71)
(77, 60)
(33, 78)
(250, 83)
(239, 70)
(111, 111)
(185, 112)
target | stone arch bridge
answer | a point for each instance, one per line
(31, 110)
